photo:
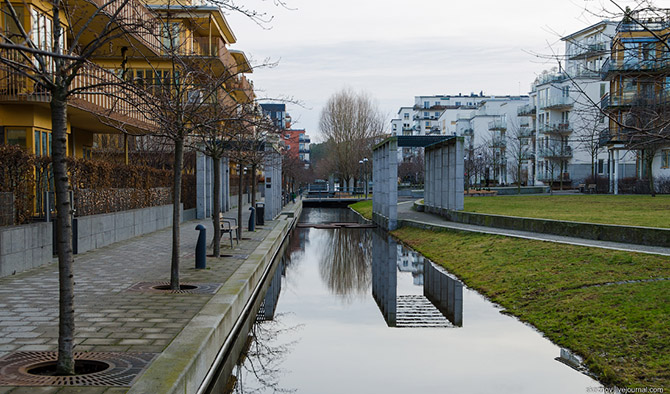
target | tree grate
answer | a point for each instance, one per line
(123, 369)
(193, 288)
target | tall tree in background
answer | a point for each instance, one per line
(352, 121)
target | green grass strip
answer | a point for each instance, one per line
(627, 210)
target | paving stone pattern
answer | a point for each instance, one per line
(108, 317)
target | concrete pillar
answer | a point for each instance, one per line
(393, 184)
(616, 171)
(201, 186)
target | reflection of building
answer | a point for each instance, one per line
(442, 302)
(269, 304)
(412, 262)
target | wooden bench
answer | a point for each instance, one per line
(229, 226)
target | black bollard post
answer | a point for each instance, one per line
(252, 219)
(201, 248)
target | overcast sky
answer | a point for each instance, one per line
(396, 50)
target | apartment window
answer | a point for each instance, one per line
(437, 114)
(630, 53)
(427, 125)
(170, 36)
(426, 104)
(665, 158)
(11, 28)
(405, 115)
(601, 166)
(15, 136)
(437, 103)
(457, 103)
(425, 113)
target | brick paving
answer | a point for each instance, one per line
(109, 318)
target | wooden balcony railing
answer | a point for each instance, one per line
(136, 15)
(99, 92)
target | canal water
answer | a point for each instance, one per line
(353, 311)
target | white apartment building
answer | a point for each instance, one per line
(567, 122)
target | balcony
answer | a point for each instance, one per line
(498, 142)
(526, 132)
(240, 88)
(634, 99)
(130, 13)
(498, 124)
(557, 102)
(303, 139)
(526, 110)
(468, 132)
(556, 152)
(303, 150)
(633, 65)
(104, 100)
(588, 50)
(556, 128)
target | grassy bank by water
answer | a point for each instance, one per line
(609, 307)
(629, 210)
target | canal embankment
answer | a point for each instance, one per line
(120, 314)
(607, 306)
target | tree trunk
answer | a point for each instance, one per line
(650, 162)
(560, 175)
(518, 178)
(66, 327)
(217, 206)
(240, 201)
(176, 211)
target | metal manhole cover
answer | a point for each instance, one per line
(122, 371)
(193, 288)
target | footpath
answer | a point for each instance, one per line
(162, 339)
(410, 217)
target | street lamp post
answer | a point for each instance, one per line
(360, 170)
(365, 175)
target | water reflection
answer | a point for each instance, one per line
(344, 264)
(347, 347)
(440, 305)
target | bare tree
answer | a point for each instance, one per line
(352, 121)
(54, 55)
(518, 152)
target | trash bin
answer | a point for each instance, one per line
(260, 213)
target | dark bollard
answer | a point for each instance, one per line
(201, 248)
(252, 219)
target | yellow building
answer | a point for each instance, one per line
(639, 99)
(200, 33)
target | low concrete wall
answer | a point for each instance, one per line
(31, 245)
(96, 231)
(603, 232)
(512, 190)
(25, 247)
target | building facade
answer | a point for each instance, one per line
(639, 101)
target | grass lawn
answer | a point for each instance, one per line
(631, 210)
(621, 330)
(364, 208)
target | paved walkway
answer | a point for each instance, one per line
(110, 317)
(405, 212)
